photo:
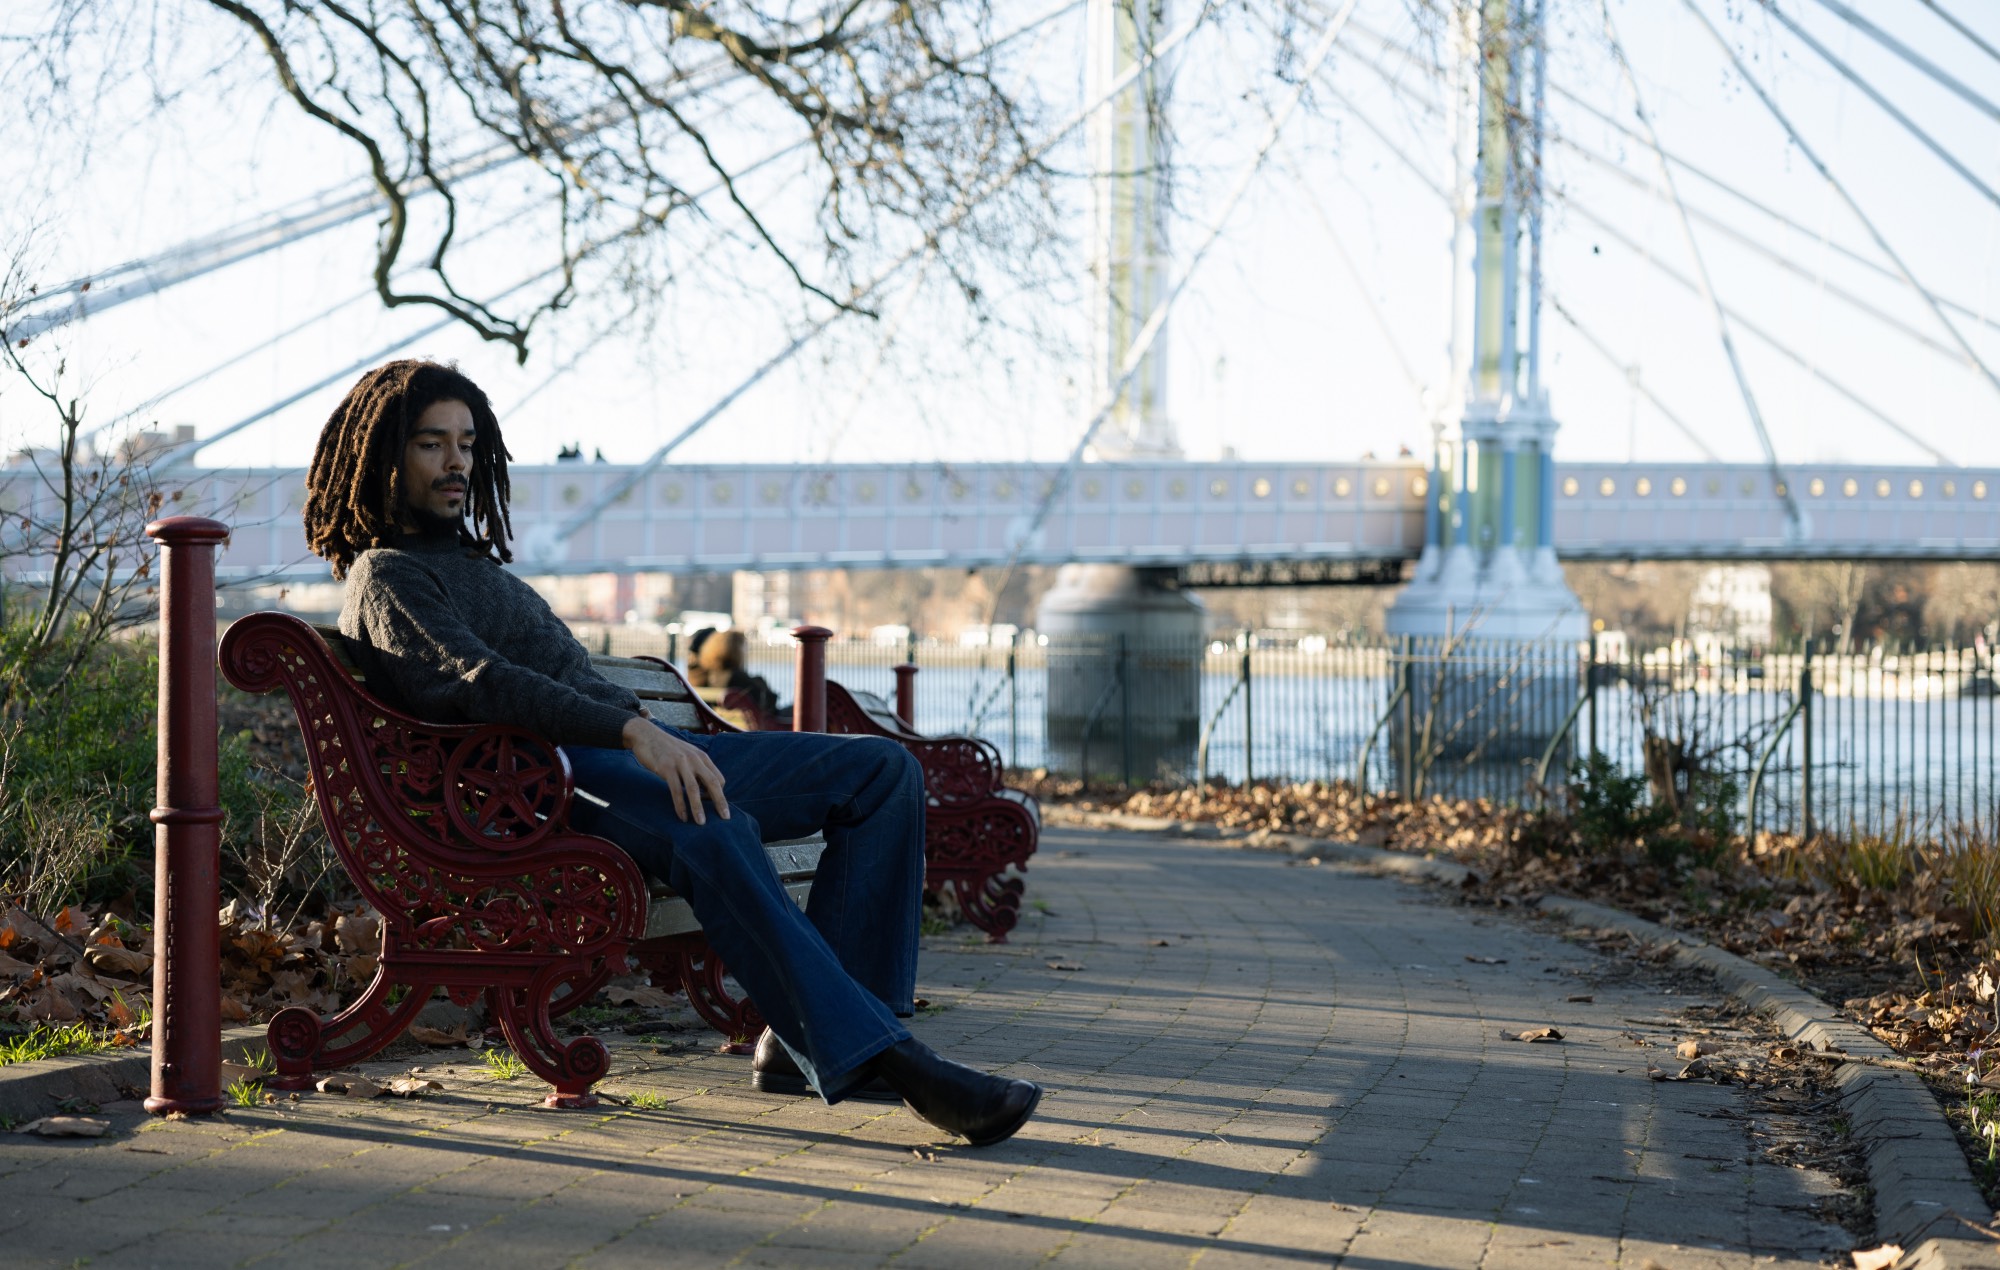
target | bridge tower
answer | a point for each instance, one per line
(1488, 565)
(1114, 629)
(1130, 167)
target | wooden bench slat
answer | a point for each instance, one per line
(675, 916)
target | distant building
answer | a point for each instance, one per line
(143, 445)
(1731, 604)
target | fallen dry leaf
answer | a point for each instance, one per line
(116, 959)
(1784, 1053)
(1877, 1258)
(441, 1038)
(644, 994)
(1537, 1035)
(50, 1006)
(1486, 961)
(1064, 965)
(119, 1014)
(352, 1086)
(1695, 1049)
(411, 1086)
(358, 932)
(233, 1072)
(66, 1127)
(1581, 998)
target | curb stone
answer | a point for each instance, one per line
(1925, 1198)
(29, 1091)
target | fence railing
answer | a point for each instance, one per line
(1871, 739)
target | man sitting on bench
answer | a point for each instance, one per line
(407, 499)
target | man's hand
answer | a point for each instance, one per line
(685, 768)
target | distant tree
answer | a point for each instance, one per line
(1822, 597)
(1963, 600)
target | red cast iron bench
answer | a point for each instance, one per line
(975, 826)
(458, 835)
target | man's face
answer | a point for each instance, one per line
(437, 459)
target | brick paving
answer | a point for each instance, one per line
(1250, 1062)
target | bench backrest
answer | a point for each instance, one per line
(666, 696)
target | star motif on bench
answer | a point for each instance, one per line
(508, 785)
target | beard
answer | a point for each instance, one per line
(429, 523)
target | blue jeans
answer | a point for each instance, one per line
(831, 981)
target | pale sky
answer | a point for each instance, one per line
(1273, 351)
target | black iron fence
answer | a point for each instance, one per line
(1877, 739)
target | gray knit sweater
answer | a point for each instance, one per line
(461, 640)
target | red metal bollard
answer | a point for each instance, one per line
(809, 690)
(187, 941)
(906, 695)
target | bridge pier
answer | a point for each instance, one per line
(1124, 672)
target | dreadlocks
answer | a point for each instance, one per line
(354, 487)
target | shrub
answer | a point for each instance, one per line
(78, 779)
(1611, 809)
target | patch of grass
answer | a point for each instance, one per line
(647, 1100)
(1874, 862)
(246, 1093)
(46, 1041)
(502, 1064)
(933, 922)
(1971, 864)
(595, 1015)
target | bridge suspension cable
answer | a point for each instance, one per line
(1984, 105)
(929, 246)
(1862, 304)
(1826, 173)
(1961, 28)
(355, 298)
(1353, 271)
(1444, 196)
(1694, 169)
(280, 337)
(315, 214)
(433, 328)
(1793, 516)
(1851, 395)
(1142, 343)
(1631, 371)
(1888, 107)
(1755, 204)
(404, 341)
(1869, 408)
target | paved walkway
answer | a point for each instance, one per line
(1251, 1063)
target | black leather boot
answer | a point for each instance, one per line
(980, 1108)
(773, 1071)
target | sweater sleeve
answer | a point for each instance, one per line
(445, 671)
